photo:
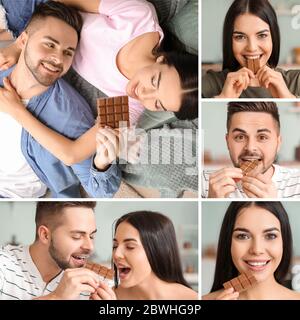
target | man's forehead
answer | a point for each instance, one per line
(253, 120)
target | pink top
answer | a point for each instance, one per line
(102, 37)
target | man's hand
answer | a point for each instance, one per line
(222, 183)
(10, 101)
(74, 282)
(103, 292)
(259, 187)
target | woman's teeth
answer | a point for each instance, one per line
(257, 264)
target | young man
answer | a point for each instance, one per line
(253, 133)
(52, 268)
(26, 168)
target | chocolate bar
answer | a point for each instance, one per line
(113, 112)
(241, 283)
(248, 166)
(253, 64)
(100, 270)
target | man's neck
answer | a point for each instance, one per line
(47, 268)
(24, 82)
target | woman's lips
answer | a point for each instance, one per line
(257, 265)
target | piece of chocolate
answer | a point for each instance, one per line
(253, 64)
(241, 283)
(100, 270)
(113, 112)
(248, 166)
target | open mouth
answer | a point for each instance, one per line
(123, 272)
(50, 68)
(79, 259)
(248, 57)
(257, 265)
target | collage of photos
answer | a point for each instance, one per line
(108, 190)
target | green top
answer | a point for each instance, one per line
(212, 84)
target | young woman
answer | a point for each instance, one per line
(118, 55)
(251, 32)
(147, 269)
(255, 237)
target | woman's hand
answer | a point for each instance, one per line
(274, 82)
(10, 102)
(236, 83)
(103, 292)
(9, 56)
(228, 294)
(108, 145)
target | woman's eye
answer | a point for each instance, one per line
(153, 82)
(263, 35)
(239, 37)
(271, 236)
(242, 236)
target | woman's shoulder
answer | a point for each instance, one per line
(292, 79)
(289, 294)
(212, 83)
(185, 293)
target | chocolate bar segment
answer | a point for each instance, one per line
(248, 166)
(241, 283)
(253, 64)
(113, 112)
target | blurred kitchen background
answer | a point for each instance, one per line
(215, 153)
(213, 15)
(212, 217)
(17, 227)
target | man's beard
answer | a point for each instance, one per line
(57, 257)
(45, 80)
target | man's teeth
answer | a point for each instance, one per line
(50, 67)
(80, 257)
(257, 264)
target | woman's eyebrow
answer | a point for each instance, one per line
(271, 229)
(126, 240)
(241, 229)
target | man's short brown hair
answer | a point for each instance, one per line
(59, 11)
(49, 213)
(265, 107)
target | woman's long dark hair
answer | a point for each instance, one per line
(225, 269)
(158, 238)
(259, 8)
(186, 65)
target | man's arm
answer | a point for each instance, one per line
(83, 5)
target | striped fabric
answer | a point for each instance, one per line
(20, 278)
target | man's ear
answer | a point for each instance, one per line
(279, 141)
(160, 59)
(226, 138)
(44, 234)
(22, 39)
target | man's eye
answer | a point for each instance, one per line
(239, 138)
(50, 45)
(263, 138)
